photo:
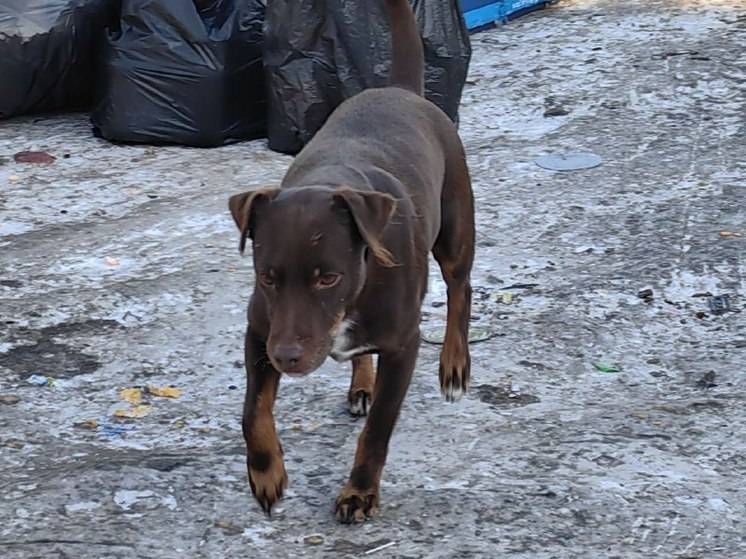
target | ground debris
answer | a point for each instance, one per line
(707, 380)
(313, 539)
(607, 368)
(719, 304)
(135, 412)
(645, 294)
(164, 391)
(38, 157)
(131, 395)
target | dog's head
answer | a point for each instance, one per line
(310, 247)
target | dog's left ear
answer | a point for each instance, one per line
(243, 208)
(372, 212)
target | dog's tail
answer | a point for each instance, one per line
(408, 59)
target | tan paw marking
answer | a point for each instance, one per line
(360, 396)
(454, 370)
(269, 485)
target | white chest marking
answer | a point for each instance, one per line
(341, 350)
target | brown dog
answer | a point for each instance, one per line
(341, 260)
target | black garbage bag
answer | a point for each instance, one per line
(318, 53)
(47, 50)
(185, 72)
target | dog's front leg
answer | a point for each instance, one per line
(359, 497)
(266, 469)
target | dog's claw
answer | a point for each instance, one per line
(266, 504)
(266, 507)
(353, 507)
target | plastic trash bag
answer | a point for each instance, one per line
(319, 52)
(185, 72)
(47, 51)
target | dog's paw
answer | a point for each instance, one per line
(356, 505)
(360, 401)
(454, 371)
(268, 483)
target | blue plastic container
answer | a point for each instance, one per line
(481, 13)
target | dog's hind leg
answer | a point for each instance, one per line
(360, 395)
(454, 251)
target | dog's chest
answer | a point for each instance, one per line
(346, 343)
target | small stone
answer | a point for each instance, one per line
(556, 111)
(9, 399)
(708, 380)
(229, 528)
(313, 539)
(38, 380)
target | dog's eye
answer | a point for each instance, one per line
(266, 280)
(326, 281)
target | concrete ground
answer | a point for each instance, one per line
(119, 269)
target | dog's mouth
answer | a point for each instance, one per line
(293, 374)
(301, 371)
(307, 364)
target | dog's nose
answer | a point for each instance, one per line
(288, 356)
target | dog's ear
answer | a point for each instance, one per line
(243, 208)
(372, 211)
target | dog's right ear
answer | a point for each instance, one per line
(243, 208)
